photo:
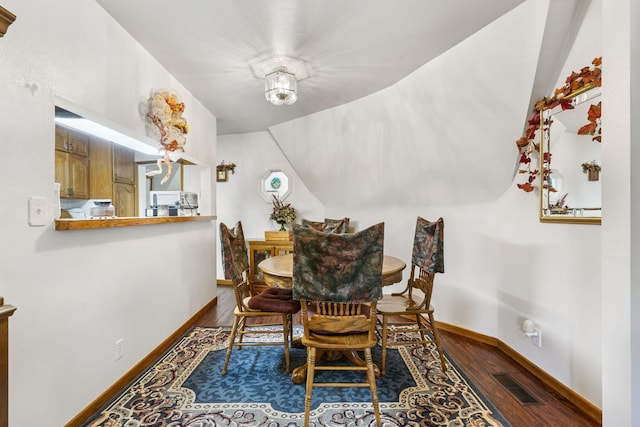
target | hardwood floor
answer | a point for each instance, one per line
(479, 361)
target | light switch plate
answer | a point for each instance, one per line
(37, 210)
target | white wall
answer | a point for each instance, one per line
(620, 215)
(239, 198)
(437, 145)
(77, 292)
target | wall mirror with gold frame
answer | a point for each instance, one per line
(570, 159)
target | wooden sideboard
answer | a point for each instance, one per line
(260, 250)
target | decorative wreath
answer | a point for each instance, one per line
(162, 114)
(588, 76)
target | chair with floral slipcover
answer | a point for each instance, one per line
(414, 302)
(329, 225)
(273, 302)
(338, 280)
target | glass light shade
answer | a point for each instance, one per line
(280, 87)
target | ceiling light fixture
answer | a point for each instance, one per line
(280, 87)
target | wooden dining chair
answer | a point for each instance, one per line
(338, 226)
(414, 302)
(275, 303)
(338, 279)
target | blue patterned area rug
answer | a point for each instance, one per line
(185, 388)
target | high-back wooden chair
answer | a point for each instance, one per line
(338, 279)
(414, 302)
(273, 303)
(337, 226)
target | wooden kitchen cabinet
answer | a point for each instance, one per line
(72, 172)
(260, 250)
(123, 165)
(71, 141)
(124, 199)
(112, 172)
(100, 168)
(71, 163)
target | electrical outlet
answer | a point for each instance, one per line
(537, 337)
(119, 348)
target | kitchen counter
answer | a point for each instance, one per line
(86, 224)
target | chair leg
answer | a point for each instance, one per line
(371, 379)
(311, 366)
(436, 338)
(290, 321)
(242, 323)
(421, 326)
(232, 338)
(383, 362)
(285, 336)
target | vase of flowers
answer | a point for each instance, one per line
(283, 214)
(592, 169)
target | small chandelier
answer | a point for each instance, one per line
(280, 87)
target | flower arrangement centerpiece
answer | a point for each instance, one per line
(281, 213)
(162, 114)
(560, 207)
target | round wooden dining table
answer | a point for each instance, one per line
(278, 271)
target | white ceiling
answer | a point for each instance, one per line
(351, 48)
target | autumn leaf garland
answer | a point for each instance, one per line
(527, 146)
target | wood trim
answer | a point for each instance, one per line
(467, 333)
(138, 368)
(5, 312)
(6, 19)
(583, 404)
(87, 224)
(224, 282)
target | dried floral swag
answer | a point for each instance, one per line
(587, 77)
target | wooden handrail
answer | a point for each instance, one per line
(5, 312)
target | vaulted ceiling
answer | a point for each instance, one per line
(350, 48)
(409, 83)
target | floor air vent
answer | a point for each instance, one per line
(512, 386)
